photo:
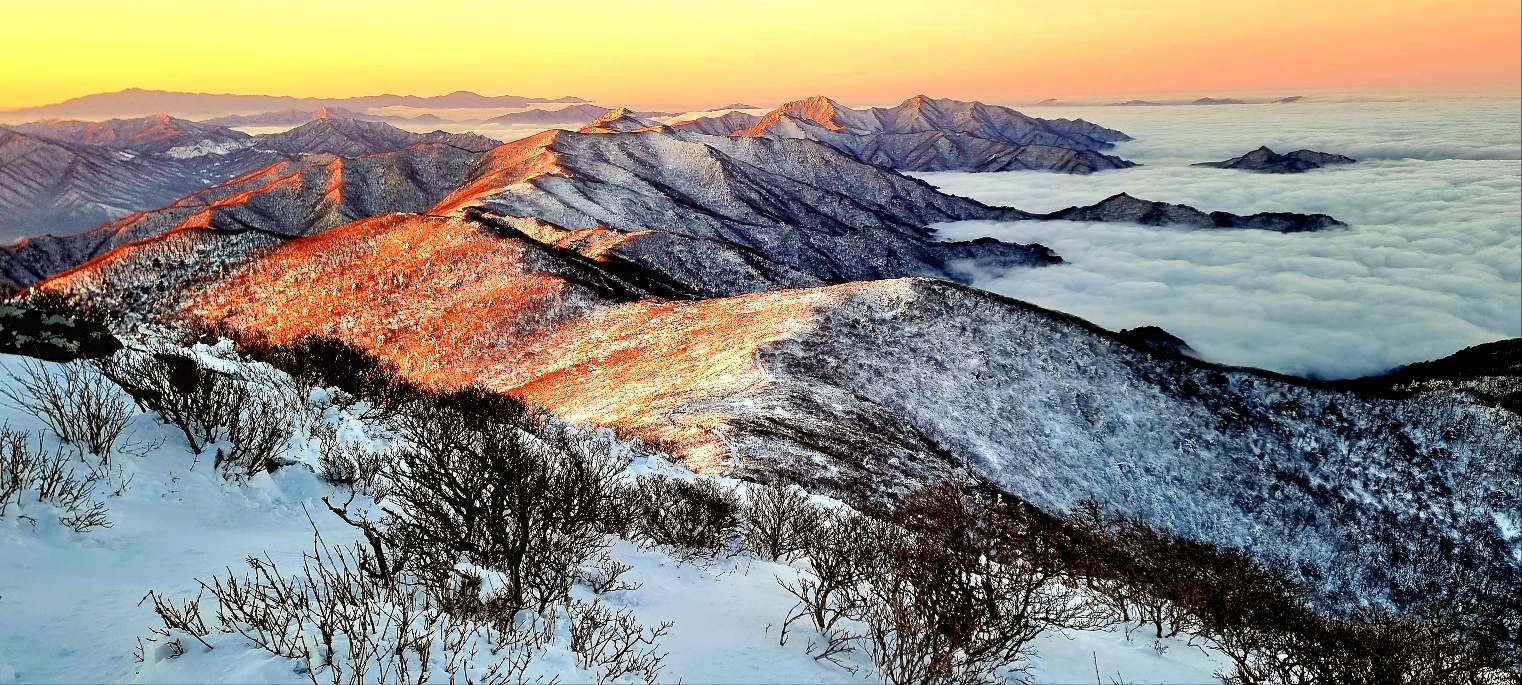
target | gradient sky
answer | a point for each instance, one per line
(710, 52)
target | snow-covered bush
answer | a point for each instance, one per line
(52, 478)
(349, 464)
(778, 521)
(80, 405)
(946, 588)
(483, 478)
(324, 361)
(694, 518)
(347, 627)
(209, 405)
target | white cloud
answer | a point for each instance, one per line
(1432, 261)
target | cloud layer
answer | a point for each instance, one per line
(1431, 263)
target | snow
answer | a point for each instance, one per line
(70, 612)
(205, 147)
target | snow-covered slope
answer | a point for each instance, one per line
(869, 388)
(70, 607)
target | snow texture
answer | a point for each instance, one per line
(70, 612)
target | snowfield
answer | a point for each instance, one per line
(70, 606)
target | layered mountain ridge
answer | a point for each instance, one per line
(142, 102)
(868, 388)
(741, 299)
(928, 134)
(60, 177)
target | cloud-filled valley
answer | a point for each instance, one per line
(1431, 261)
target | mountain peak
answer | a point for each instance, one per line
(621, 120)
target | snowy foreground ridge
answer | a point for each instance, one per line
(70, 607)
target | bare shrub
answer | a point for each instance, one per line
(80, 405)
(963, 593)
(694, 518)
(779, 522)
(483, 478)
(349, 628)
(950, 588)
(612, 644)
(53, 478)
(208, 405)
(330, 362)
(604, 573)
(347, 463)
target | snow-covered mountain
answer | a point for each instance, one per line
(709, 215)
(928, 134)
(286, 199)
(146, 135)
(864, 389)
(60, 177)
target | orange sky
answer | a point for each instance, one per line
(681, 53)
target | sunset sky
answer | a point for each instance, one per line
(707, 52)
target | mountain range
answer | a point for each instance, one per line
(135, 102)
(928, 134)
(776, 307)
(1264, 160)
(293, 117)
(60, 177)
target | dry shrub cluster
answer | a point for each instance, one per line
(80, 405)
(323, 361)
(254, 416)
(486, 517)
(943, 587)
(1261, 620)
(693, 518)
(53, 478)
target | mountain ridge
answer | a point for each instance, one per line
(928, 134)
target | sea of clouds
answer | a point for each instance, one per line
(1431, 262)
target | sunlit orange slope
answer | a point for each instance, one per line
(453, 304)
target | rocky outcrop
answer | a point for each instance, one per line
(927, 134)
(1264, 160)
(1124, 208)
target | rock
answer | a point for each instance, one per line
(1155, 339)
